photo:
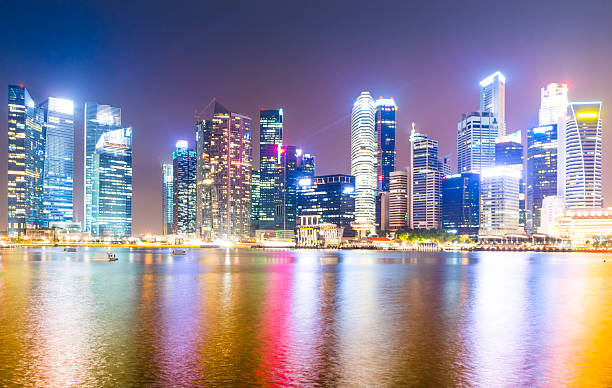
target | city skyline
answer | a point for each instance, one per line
(124, 83)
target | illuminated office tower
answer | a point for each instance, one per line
(385, 131)
(364, 159)
(499, 199)
(111, 182)
(425, 195)
(583, 155)
(99, 119)
(509, 152)
(308, 165)
(493, 99)
(255, 200)
(461, 204)
(224, 156)
(330, 196)
(398, 201)
(476, 134)
(58, 170)
(183, 189)
(541, 170)
(270, 170)
(26, 148)
(553, 104)
(167, 197)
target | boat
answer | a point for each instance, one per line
(70, 249)
(178, 252)
(111, 256)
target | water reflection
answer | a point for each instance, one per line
(350, 318)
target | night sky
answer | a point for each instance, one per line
(161, 62)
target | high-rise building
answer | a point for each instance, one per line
(26, 151)
(58, 169)
(583, 155)
(425, 201)
(509, 152)
(308, 165)
(330, 196)
(499, 199)
(183, 189)
(398, 200)
(255, 200)
(382, 210)
(493, 99)
(167, 197)
(224, 156)
(541, 170)
(111, 184)
(446, 168)
(364, 160)
(289, 173)
(553, 104)
(476, 134)
(461, 204)
(99, 119)
(270, 170)
(385, 131)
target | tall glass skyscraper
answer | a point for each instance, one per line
(330, 196)
(99, 119)
(493, 99)
(167, 197)
(398, 200)
(26, 152)
(499, 199)
(425, 196)
(553, 110)
(184, 189)
(583, 155)
(509, 152)
(58, 178)
(476, 134)
(541, 170)
(461, 204)
(111, 184)
(385, 131)
(255, 201)
(270, 169)
(364, 159)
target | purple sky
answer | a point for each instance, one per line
(161, 62)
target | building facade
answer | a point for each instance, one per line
(398, 200)
(224, 157)
(541, 170)
(364, 155)
(493, 99)
(509, 152)
(270, 170)
(167, 197)
(255, 200)
(425, 183)
(499, 199)
(461, 204)
(385, 131)
(476, 134)
(183, 189)
(583, 156)
(58, 180)
(26, 148)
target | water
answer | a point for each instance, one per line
(304, 318)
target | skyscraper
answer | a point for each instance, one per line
(461, 204)
(364, 159)
(183, 189)
(398, 200)
(476, 134)
(58, 177)
(270, 170)
(541, 170)
(255, 200)
(330, 196)
(583, 155)
(425, 196)
(26, 149)
(499, 198)
(167, 197)
(509, 152)
(224, 154)
(385, 131)
(553, 104)
(99, 119)
(111, 184)
(493, 99)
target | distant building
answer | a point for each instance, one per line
(425, 195)
(270, 170)
(385, 131)
(541, 170)
(583, 227)
(183, 189)
(167, 198)
(399, 201)
(509, 152)
(224, 156)
(26, 148)
(111, 184)
(553, 207)
(499, 198)
(493, 99)
(58, 169)
(255, 200)
(476, 134)
(461, 204)
(313, 233)
(553, 104)
(583, 156)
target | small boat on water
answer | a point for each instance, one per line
(111, 256)
(70, 249)
(178, 252)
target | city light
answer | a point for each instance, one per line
(587, 115)
(182, 144)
